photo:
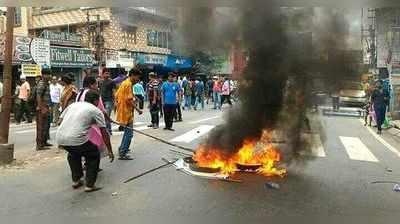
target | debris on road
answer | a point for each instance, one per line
(181, 153)
(183, 166)
(396, 188)
(149, 171)
(385, 182)
(272, 185)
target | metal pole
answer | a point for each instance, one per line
(7, 151)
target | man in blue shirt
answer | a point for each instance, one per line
(170, 91)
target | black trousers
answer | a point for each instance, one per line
(154, 112)
(141, 101)
(23, 109)
(226, 97)
(92, 160)
(42, 128)
(169, 110)
(178, 112)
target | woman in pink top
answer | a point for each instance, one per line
(90, 83)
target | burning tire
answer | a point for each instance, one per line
(248, 167)
(194, 166)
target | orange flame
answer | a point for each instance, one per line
(253, 152)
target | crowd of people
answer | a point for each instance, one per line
(85, 115)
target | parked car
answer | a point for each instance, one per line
(352, 94)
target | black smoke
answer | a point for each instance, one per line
(286, 47)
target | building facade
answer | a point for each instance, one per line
(111, 28)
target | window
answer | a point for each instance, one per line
(158, 38)
(17, 19)
(151, 38)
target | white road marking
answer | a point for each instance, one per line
(317, 148)
(357, 150)
(26, 131)
(34, 130)
(206, 119)
(193, 134)
(381, 140)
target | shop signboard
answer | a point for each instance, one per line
(111, 58)
(150, 59)
(28, 50)
(125, 59)
(70, 57)
(62, 38)
(175, 62)
(119, 59)
(31, 70)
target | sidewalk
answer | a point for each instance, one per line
(22, 125)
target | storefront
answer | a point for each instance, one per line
(70, 60)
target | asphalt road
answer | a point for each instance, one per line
(334, 181)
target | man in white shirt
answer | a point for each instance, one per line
(73, 136)
(55, 95)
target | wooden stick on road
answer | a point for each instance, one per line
(149, 171)
(156, 138)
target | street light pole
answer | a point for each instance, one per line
(7, 150)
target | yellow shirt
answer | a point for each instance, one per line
(124, 100)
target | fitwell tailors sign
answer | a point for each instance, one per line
(68, 57)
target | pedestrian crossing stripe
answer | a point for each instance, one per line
(193, 134)
(357, 150)
(205, 119)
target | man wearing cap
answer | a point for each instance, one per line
(23, 96)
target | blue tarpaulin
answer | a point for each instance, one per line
(176, 62)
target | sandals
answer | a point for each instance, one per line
(87, 189)
(77, 184)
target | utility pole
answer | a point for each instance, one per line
(6, 149)
(95, 39)
(98, 40)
